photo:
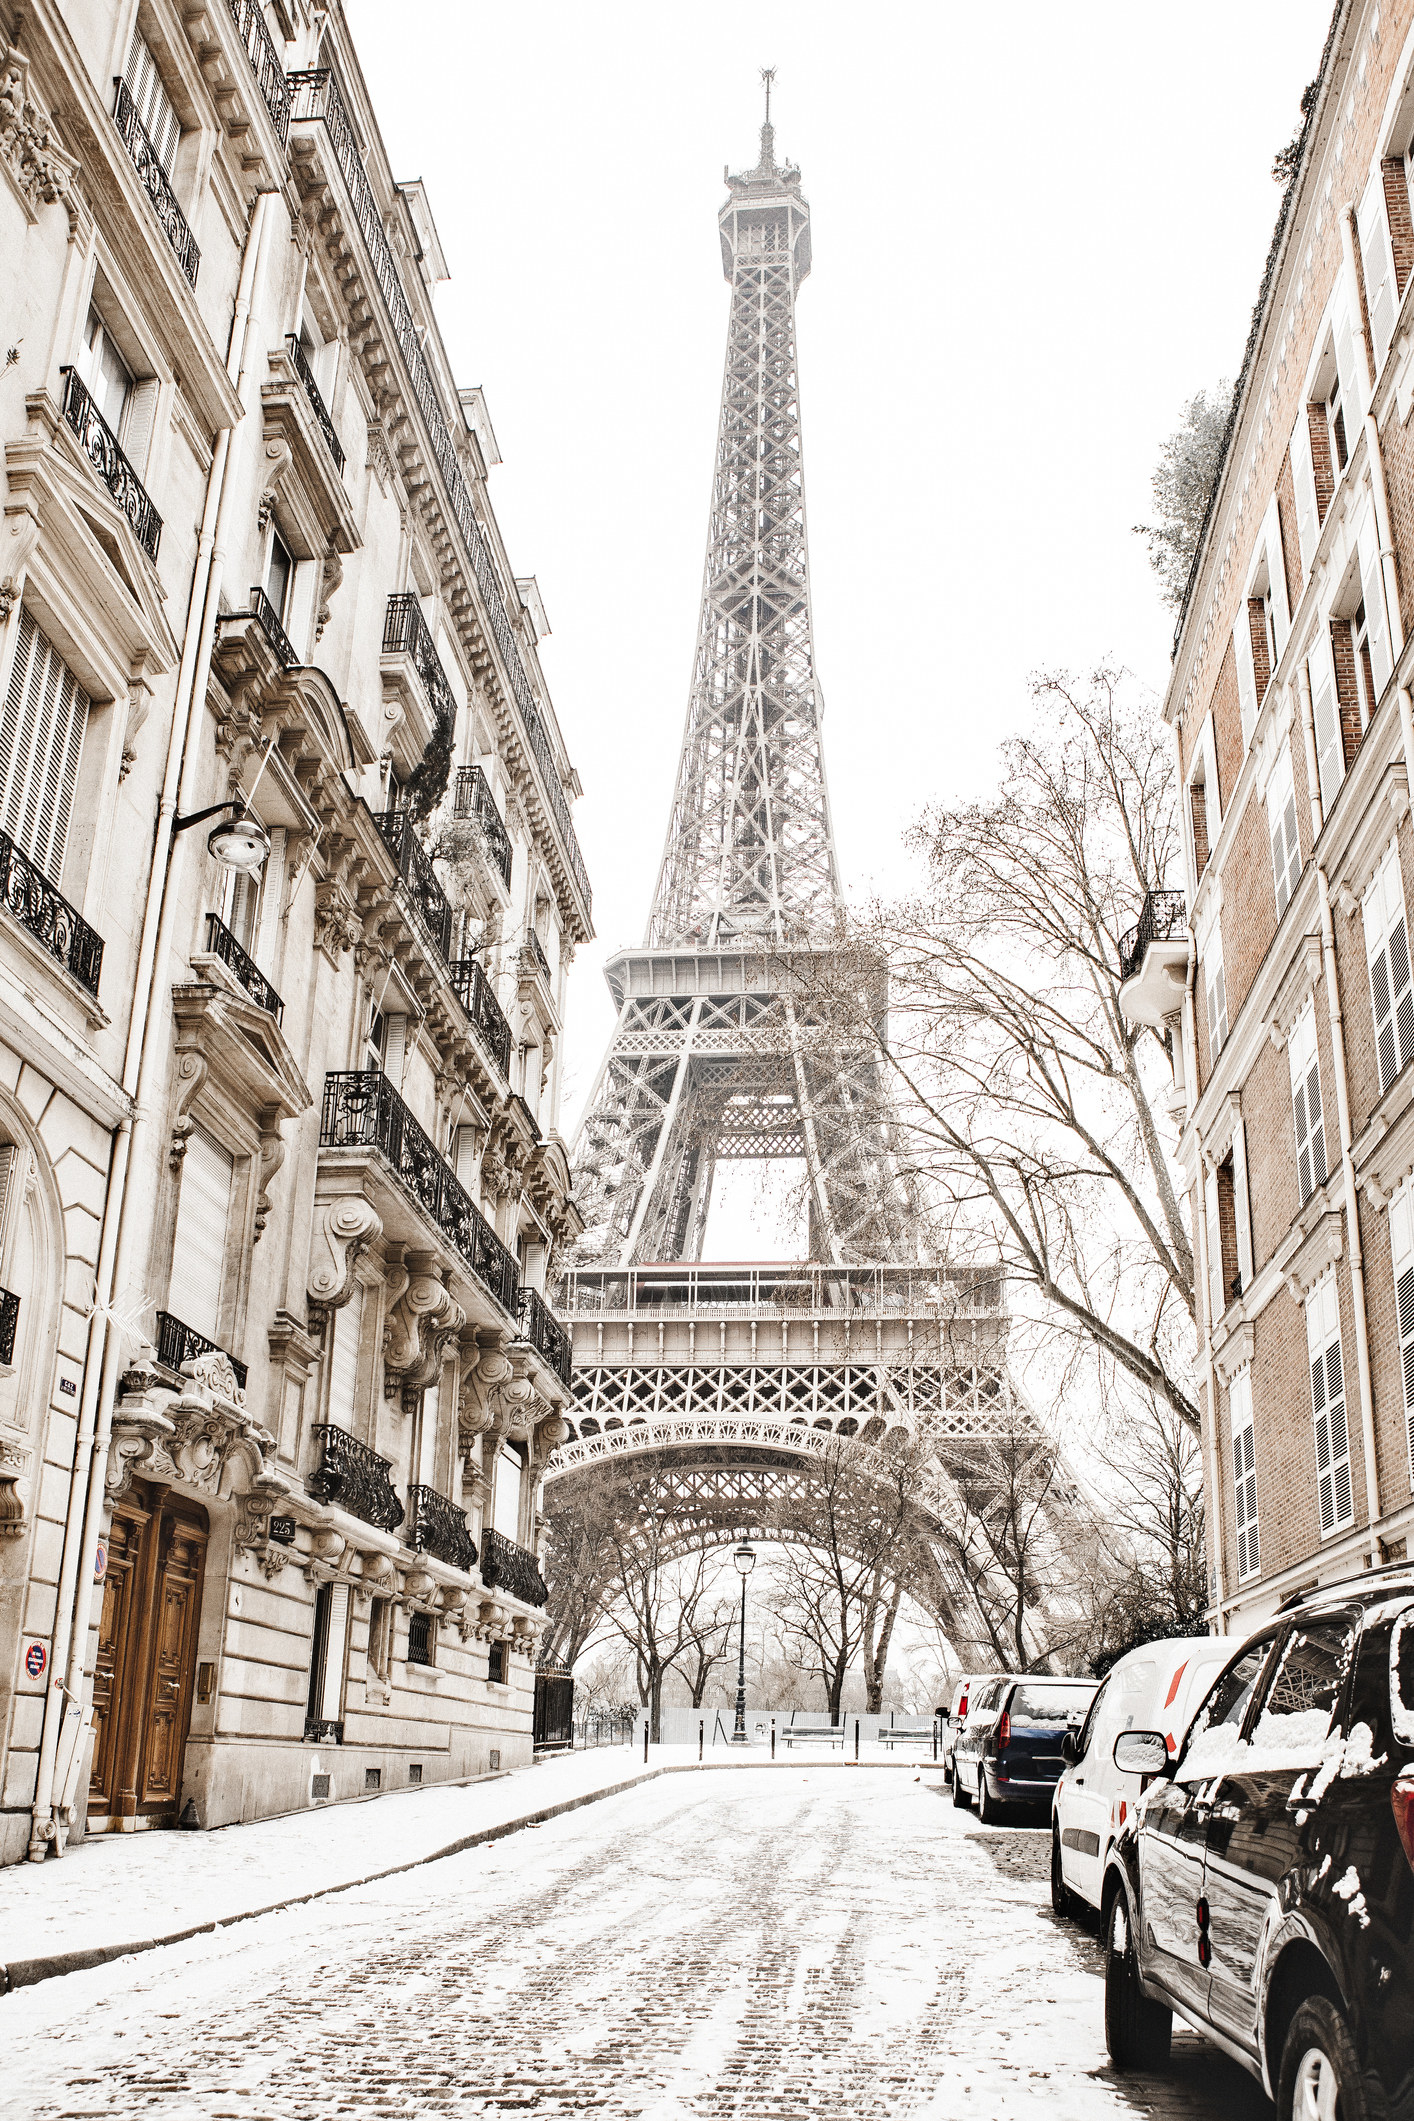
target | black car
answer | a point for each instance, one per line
(1263, 1886)
(1008, 1753)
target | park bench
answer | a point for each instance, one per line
(828, 1734)
(890, 1737)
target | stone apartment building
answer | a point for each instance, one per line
(1283, 967)
(289, 888)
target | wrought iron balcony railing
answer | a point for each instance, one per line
(545, 1333)
(315, 396)
(221, 943)
(9, 1320)
(316, 96)
(436, 1526)
(406, 632)
(261, 608)
(418, 875)
(178, 1343)
(155, 181)
(542, 963)
(355, 1478)
(28, 897)
(527, 1115)
(508, 1567)
(473, 991)
(472, 798)
(363, 1110)
(100, 446)
(269, 69)
(1164, 916)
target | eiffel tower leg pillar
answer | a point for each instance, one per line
(653, 1177)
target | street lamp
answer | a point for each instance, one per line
(745, 1559)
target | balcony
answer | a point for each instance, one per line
(436, 1526)
(269, 71)
(546, 1335)
(472, 798)
(156, 182)
(317, 406)
(9, 1320)
(178, 1343)
(510, 1568)
(354, 1478)
(406, 632)
(363, 1110)
(538, 958)
(100, 446)
(473, 991)
(1153, 960)
(262, 609)
(419, 877)
(221, 943)
(29, 898)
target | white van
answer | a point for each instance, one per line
(1156, 1687)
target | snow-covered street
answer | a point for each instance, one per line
(807, 1940)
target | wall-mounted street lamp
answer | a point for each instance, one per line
(745, 1558)
(240, 842)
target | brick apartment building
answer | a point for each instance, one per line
(1289, 991)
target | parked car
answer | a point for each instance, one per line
(966, 1690)
(1263, 1886)
(1008, 1753)
(1159, 1684)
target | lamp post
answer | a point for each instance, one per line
(745, 1559)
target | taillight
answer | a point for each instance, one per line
(962, 1709)
(1401, 1798)
(1004, 1730)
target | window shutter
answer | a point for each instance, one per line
(1215, 991)
(1216, 1303)
(1306, 1104)
(1242, 1204)
(1281, 826)
(1333, 1484)
(347, 1330)
(41, 739)
(153, 104)
(1246, 675)
(1276, 576)
(1372, 587)
(335, 1648)
(199, 1242)
(395, 1046)
(1303, 479)
(505, 1517)
(1387, 953)
(1401, 1244)
(1330, 751)
(1352, 380)
(1378, 260)
(1244, 1474)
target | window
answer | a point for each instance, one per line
(1378, 261)
(1303, 480)
(1244, 1474)
(345, 1328)
(496, 1664)
(1334, 1493)
(1335, 420)
(41, 739)
(1281, 828)
(152, 103)
(1215, 1730)
(1305, 1689)
(1330, 745)
(1387, 953)
(1306, 1103)
(199, 1240)
(1401, 1244)
(1371, 634)
(1220, 1209)
(422, 1639)
(380, 1638)
(279, 574)
(105, 374)
(374, 1037)
(240, 905)
(1210, 963)
(326, 1664)
(505, 1508)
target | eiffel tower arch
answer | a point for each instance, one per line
(719, 1384)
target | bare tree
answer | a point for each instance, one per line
(577, 1517)
(1183, 481)
(709, 1640)
(1019, 1539)
(880, 1615)
(1154, 1579)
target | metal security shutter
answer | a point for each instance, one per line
(1244, 1475)
(1333, 1484)
(1281, 826)
(154, 105)
(1306, 1104)
(41, 738)
(346, 1329)
(199, 1245)
(1387, 952)
(1401, 1244)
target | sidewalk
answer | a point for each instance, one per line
(129, 1892)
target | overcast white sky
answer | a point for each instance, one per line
(1037, 231)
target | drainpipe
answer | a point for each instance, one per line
(1215, 1486)
(86, 1490)
(1352, 1220)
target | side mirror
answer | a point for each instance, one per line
(1068, 1751)
(1141, 1752)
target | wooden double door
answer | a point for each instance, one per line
(142, 1687)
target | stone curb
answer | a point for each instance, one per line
(24, 1973)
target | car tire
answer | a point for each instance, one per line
(1318, 2042)
(989, 1811)
(959, 1795)
(1062, 1898)
(1138, 2033)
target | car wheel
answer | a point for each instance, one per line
(1062, 1899)
(1138, 2033)
(959, 1795)
(1320, 2071)
(989, 1811)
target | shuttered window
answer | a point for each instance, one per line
(1306, 1104)
(1334, 1492)
(1247, 701)
(1210, 957)
(1244, 1475)
(1330, 749)
(1352, 394)
(1378, 260)
(153, 104)
(1401, 1244)
(41, 739)
(1281, 827)
(346, 1328)
(199, 1243)
(330, 1649)
(1217, 1301)
(1303, 479)
(1387, 953)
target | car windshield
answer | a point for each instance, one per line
(1048, 1705)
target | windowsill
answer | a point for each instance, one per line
(428, 1674)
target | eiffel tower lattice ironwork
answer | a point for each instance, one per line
(715, 1053)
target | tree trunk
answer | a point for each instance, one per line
(655, 1706)
(878, 1657)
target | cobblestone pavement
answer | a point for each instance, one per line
(822, 1944)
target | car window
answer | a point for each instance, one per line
(1091, 1724)
(1216, 1728)
(1401, 1676)
(1045, 1707)
(1305, 1687)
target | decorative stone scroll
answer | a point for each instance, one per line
(38, 167)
